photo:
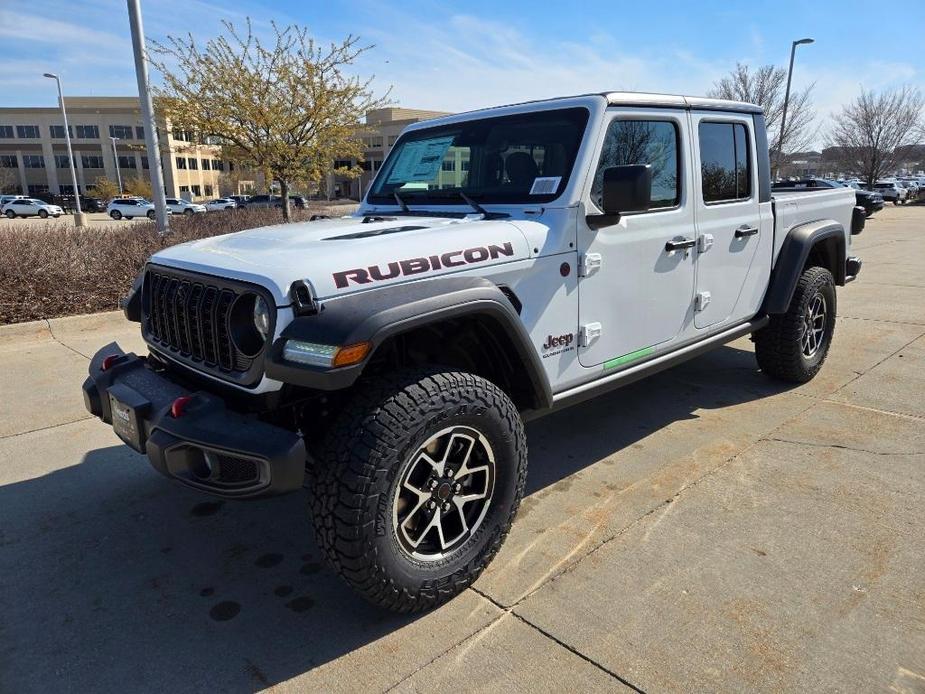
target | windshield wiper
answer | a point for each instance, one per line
(472, 203)
(401, 203)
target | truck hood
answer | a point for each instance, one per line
(340, 256)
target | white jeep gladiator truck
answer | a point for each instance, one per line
(504, 262)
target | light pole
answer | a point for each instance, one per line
(783, 117)
(79, 215)
(147, 115)
(115, 156)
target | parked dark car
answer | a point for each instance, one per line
(264, 201)
(298, 202)
(871, 202)
(240, 199)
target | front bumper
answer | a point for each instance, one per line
(208, 447)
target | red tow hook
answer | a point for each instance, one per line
(108, 361)
(179, 406)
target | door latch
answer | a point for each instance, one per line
(702, 301)
(704, 242)
(588, 264)
(588, 334)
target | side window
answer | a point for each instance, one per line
(649, 142)
(725, 167)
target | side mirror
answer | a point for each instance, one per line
(626, 189)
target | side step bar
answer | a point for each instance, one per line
(658, 363)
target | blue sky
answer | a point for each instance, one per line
(463, 55)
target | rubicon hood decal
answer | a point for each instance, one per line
(317, 252)
(416, 266)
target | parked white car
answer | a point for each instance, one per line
(181, 206)
(30, 207)
(221, 204)
(890, 190)
(130, 207)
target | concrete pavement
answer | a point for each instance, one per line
(703, 529)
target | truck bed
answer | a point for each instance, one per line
(795, 207)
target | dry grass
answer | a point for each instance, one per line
(55, 270)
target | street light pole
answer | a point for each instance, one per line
(115, 156)
(78, 216)
(783, 117)
(147, 115)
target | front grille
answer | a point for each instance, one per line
(187, 316)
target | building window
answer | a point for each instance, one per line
(183, 135)
(376, 142)
(650, 142)
(464, 165)
(231, 166)
(91, 161)
(144, 163)
(61, 162)
(57, 131)
(196, 191)
(6, 131)
(342, 164)
(184, 189)
(725, 167)
(88, 132)
(218, 165)
(33, 161)
(8, 161)
(193, 163)
(206, 164)
(181, 162)
(392, 139)
(127, 162)
(38, 189)
(449, 165)
(27, 131)
(208, 189)
(123, 132)
(66, 189)
(139, 132)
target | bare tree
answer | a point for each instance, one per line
(870, 133)
(766, 86)
(286, 107)
(9, 181)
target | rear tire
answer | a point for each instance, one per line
(10, 214)
(417, 484)
(794, 345)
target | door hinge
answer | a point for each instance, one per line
(704, 242)
(702, 301)
(588, 264)
(588, 334)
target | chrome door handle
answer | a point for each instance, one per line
(680, 244)
(746, 230)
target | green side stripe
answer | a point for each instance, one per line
(627, 358)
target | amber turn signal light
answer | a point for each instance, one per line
(351, 354)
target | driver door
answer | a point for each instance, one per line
(636, 277)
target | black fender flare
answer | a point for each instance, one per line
(792, 258)
(377, 315)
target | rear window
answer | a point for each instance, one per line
(725, 167)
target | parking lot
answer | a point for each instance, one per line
(705, 529)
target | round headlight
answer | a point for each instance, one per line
(262, 317)
(250, 323)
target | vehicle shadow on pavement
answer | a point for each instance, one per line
(114, 578)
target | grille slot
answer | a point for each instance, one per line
(187, 316)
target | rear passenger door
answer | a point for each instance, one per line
(729, 226)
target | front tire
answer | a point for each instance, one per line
(43, 214)
(417, 484)
(150, 214)
(794, 345)
(115, 214)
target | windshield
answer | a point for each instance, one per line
(524, 158)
